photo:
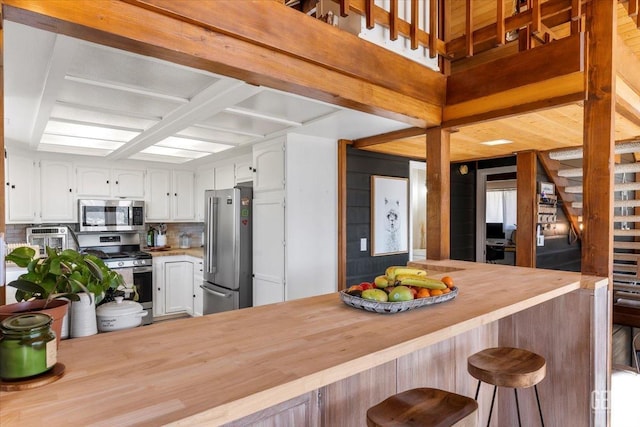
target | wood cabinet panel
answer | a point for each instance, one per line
(345, 402)
(301, 411)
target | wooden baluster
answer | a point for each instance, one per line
(368, 12)
(393, 20)
(414, 24)
(469, 27)
(433, 28)
(524, 39)
(344, 8)
(633, 11)
(536, 17)
(576, 16)
(500, 31)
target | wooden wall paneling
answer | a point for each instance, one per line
(438, 193)
(466, 344)
(300, 411)
(526, 216)
(342, 213)
(345, 403)
(599, 139)
(433, 366)
(601, 347)
(565, 393)
(181, 40)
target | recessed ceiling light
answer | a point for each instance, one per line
(497, 142)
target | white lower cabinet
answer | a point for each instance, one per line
(198, 293)
(173, 283)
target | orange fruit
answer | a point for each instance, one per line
(423, 293)
(447, 280)
(436, 292)
(446, 291)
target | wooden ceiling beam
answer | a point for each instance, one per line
(389, 137)
(260, 22)
(181, 40)
(627, 82)
(538, 78)
(563, 57)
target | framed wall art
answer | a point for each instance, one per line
(389, 215)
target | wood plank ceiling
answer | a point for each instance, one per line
(543, 130)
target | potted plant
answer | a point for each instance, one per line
(60, 275)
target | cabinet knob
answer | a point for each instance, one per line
(107, 181)
(116, 182)
(253, 169)
(158, 288)
(70, 190)
(168, 194)
(13, 186)
(175, 194)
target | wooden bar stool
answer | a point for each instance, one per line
(424, 407)
(508, 367)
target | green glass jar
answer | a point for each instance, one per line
(27, 346)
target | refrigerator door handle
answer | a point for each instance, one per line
(220, 294)
(212, 234)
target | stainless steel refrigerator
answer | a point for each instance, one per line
(227, 250)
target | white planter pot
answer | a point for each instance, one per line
(82, 317)
(114, 316)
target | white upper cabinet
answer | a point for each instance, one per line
(158, 206)
(268, 161)
(170, 195)
(21, 188)
(183, 200)
(127, 183)
(57, 199)
(204, 181)
(104, 182)
(244, 171)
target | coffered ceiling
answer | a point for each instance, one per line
(69, 96)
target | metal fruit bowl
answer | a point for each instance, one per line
(394, 307)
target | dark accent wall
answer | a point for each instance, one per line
(463, 213)
(361, 266)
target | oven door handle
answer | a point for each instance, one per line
(220, 294)
(146, 269)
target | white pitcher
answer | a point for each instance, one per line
(83, 317)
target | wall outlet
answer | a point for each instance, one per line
(541, 240)
(363, 244)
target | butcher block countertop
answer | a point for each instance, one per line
(194, 252)
(218, 368)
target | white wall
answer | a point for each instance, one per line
(311, 216)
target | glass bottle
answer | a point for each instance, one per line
(27, 346)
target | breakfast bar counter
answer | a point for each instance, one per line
(316, 361)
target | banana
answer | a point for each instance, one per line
(394, 271)
(382, 281)
(420, 281)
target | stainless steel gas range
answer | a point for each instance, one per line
(121, 252)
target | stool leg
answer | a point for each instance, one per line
(492, 400)
(535, 387)
(478, 390)
(515, 390)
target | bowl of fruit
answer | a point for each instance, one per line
(399, 289)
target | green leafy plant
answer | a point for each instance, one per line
(61, 274)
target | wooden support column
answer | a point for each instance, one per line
(438, 194)
(342, 213)
(599, 140)
(526, 216)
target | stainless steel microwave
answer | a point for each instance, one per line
(111, 215)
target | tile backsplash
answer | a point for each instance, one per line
(17, 233)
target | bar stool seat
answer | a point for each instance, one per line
(424, 407)
(508, 367)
